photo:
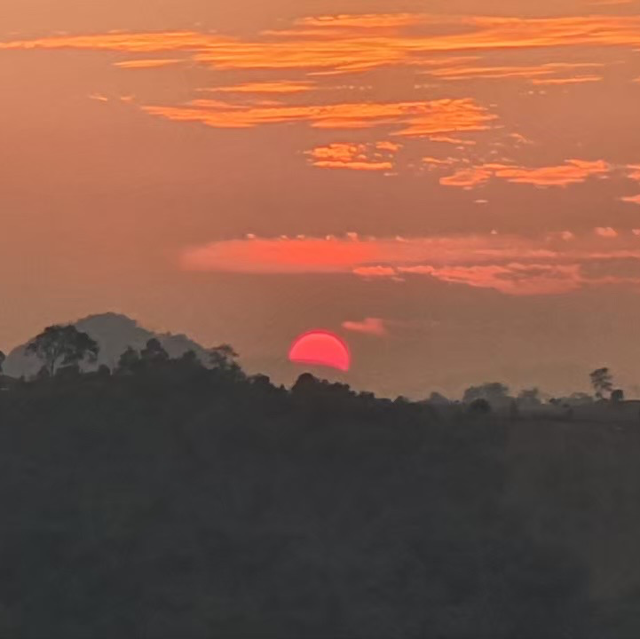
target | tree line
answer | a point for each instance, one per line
(64, 349)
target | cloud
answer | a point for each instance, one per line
(511, 278)
(514, 265)
(634, 199)
(467, 178)
(357, 157)
(375, 271)
(147, 64)
(606, 231)
(356, 43)
(571, 172)
(407, 119)
(583, 79)
(538, 74)
(277, 87)
(370, 326)
(451, 140)
(309, 255)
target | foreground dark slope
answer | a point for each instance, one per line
(176, 501)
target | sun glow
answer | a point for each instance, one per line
(321, 348)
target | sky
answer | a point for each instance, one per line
(451, 186)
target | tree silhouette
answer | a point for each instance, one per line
(222, 356)
(530, 397)
(617, 396)
(480, 406)
(60, 346)
(492, 392)
(153, 352)
(3, 357)
(224, 359)
(129, 361)
(602, 382)
(438, 399)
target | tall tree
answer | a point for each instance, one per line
(60, 346)
(602, 382)
(224, 358)
(3, 357)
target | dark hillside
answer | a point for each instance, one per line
(171, 500)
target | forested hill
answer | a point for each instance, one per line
(171, 500)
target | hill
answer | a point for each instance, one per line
(113, 333)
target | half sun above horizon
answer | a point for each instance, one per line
(321, 348)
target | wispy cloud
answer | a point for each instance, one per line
(278, 87)
(147, 63)
(357, 43)
(583, 79)
(546, 73)
(407, 119)
(514, 265)
(571, 172)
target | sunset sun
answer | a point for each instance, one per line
(321, 348)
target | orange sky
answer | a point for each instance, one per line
(453, 186)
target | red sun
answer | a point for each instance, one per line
(321, 348)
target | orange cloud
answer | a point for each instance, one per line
(561, 81)
(409, 119)
(146, 64)
(356, 43)
(467, 178)
(370, 326)
(451, 140)
(571, 172)
(150, 42)
(635, 199)
(358, 157)
(532, 73)
(281, 87)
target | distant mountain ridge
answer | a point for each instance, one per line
(114, 333)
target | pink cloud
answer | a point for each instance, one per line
(606, 231)
(375, 271)
(370, 326)
(513, 265)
